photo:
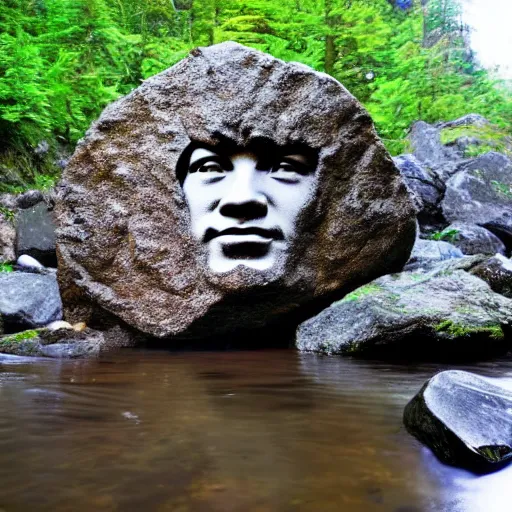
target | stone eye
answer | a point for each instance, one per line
(211, 167)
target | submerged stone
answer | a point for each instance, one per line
(465, 419)
(131, 242)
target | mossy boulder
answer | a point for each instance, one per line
(442, 313)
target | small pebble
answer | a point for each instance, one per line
(58, 324)
(27, 261)
(80, 326)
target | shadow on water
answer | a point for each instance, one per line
(240, 430)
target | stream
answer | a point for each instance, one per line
(251, 431)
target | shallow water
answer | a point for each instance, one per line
(225, 431)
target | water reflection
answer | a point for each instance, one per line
(221, 431)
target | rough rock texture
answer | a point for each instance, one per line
(445, 312)
(7, 240)
(480, 193)
(28, 300)
(472, 239)
(426, 188)
(464, 419)
(427, 253)
(62, 343)
(124, 242)
(467, 120)
(426, 144)
(35, 233)
(497, 273)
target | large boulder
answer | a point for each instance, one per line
(497, 273)
(28, 300)
(35, 233)
(125, 245)
(481, 193)
(443, 313)
(465, 419)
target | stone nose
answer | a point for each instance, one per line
(244, 201)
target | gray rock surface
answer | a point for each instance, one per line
(467, 120)
(427, 253)
(426, 144)
(481, 193)
(35, 234)
(7, 240)
(444, 312)
(28, 300)
(473, 239)
(426, 188)
(124, 242)
(464, 419)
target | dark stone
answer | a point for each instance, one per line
(29, 199)
(445, 313)
(124, 242)
(497, 273)
(480, 193)
(28, 300)
(473, 239)
(427, 253)
(464, 419)
(35, 230)
(426, 188)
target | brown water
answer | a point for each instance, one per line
(249, 431)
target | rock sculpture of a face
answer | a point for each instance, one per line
(224, 193)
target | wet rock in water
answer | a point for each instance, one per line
(428, 253)
(443, 313)
(60, 343)
(35, 233)
(426, 188)
(125, 241)
(480, 193)
(7, 239)
(28, 300)
(473, 239)
(464, 419)
(497, 272)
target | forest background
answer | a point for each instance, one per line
(63, 61)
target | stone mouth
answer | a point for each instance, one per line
(249, 234)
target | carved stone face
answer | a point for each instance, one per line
(244, 205)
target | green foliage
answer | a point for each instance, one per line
(6, 267)
(457, 330)
(7, 214)
(502, 189)
(447, 235)
(63, 61)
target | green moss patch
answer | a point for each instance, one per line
(491, 138)
(19, 336)
(459, 330)
(367, 289)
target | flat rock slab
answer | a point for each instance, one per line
(125, 243)
(465, 419)
(443, 313)
(61, 344)
(28, 300)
